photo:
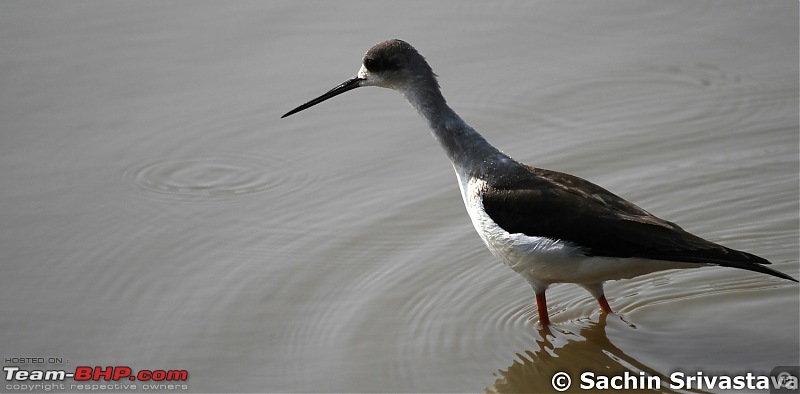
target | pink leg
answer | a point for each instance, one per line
(541, 306)
(604, 304)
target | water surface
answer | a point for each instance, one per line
(157, 213)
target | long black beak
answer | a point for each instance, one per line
(350, 84)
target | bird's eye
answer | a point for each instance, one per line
(372, 64)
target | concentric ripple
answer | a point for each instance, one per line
(212, 178)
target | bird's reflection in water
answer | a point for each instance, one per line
(588, 350)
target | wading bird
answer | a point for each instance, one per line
(548, 226)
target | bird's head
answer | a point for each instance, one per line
(392, 64)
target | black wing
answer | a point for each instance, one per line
(559, 206)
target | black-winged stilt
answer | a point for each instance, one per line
(547, 226)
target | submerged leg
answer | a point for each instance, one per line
(539, 288)
(604, 304)
(596, 290)
(541, 306)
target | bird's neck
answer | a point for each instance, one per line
(465, 147)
